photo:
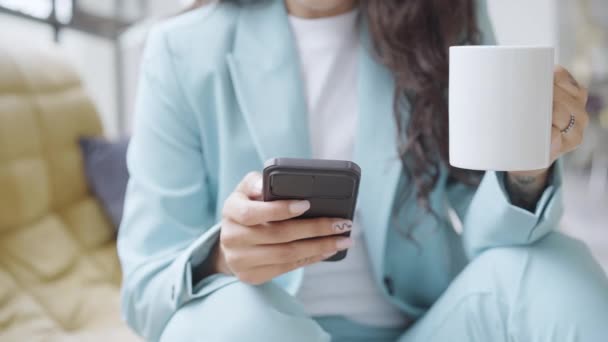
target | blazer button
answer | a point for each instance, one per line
(388, 283)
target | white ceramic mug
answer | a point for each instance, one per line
(501, 104)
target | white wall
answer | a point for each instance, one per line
(525, 22)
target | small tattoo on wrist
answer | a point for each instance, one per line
(525, 180)
(525, 191)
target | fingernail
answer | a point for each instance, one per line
(328, 255)
(343, 226)
(299, 207)
(344, 243)
(258, 186)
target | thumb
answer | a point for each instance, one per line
(251, 185)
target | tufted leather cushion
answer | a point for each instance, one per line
(59, 273)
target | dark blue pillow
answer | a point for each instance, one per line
(105, 164)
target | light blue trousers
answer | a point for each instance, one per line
(551, 291)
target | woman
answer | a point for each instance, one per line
(229, 85)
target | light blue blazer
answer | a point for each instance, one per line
(220, 93)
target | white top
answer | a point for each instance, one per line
(328, 50)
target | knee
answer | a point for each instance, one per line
(554, 285)
(241, 312)
(556, 262)
(554, 258)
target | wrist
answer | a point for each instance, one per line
(528, 173)
(214, 264)
(526, 187)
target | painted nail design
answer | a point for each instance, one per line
(343, 226)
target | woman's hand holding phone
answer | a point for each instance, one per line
(262, 240)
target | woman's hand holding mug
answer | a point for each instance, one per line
(569, 120)
(568, 123)
(512, 110)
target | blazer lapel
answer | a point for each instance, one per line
(376, 151)
(265, 72)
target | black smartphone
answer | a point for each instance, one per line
(331, 186)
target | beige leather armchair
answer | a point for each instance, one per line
(59, 272)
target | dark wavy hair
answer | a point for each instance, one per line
(412, 39)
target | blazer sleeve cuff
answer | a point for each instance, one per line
(185, 287)
(493, 221)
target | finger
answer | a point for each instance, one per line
(282, 232)
(241, 209)
(562, 111)
(297, 250)
(566, 81)
(562, 117)
(235, 235)
(572, 139)
(251, 185)
(277, 254)
(562, 114)
(562, 96)
(262, 274)
(293, 230)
